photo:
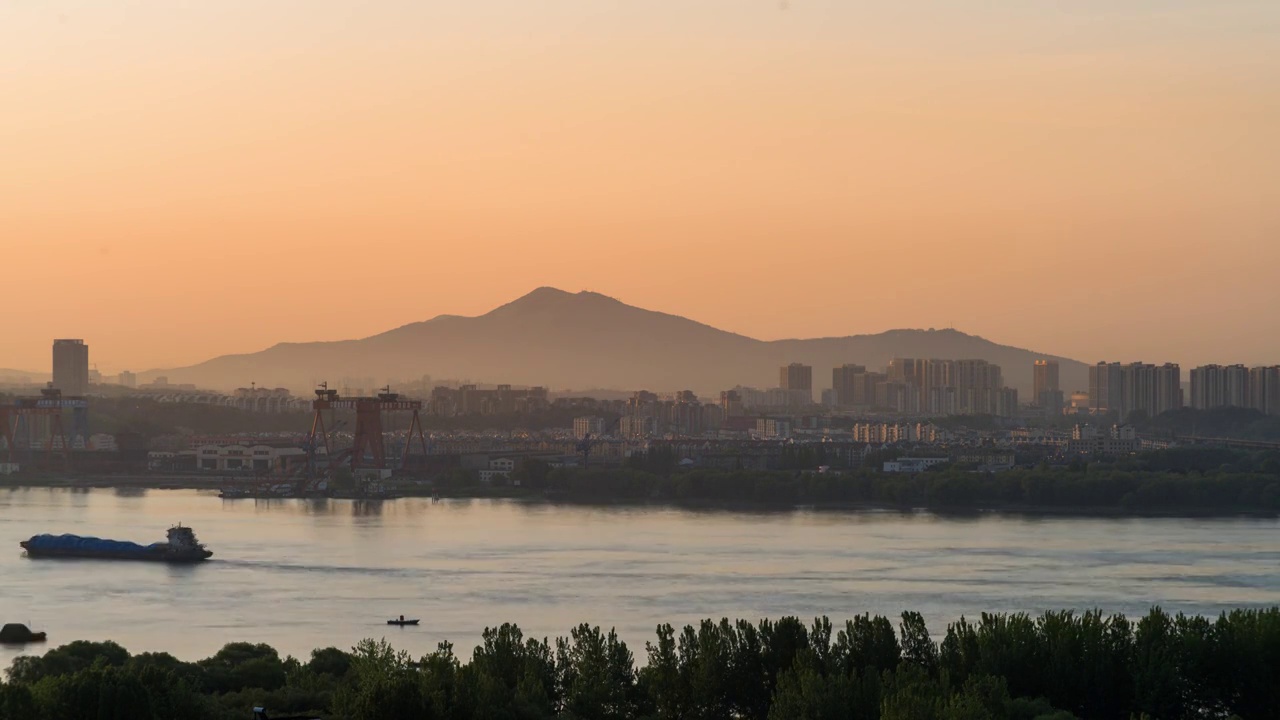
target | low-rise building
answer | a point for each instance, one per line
(237, 457)
(773, 427)
(498, 467)
(913, 465)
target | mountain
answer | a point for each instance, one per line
(22, 377)
(586, 340)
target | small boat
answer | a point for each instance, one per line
(402, 622)
(19, 634)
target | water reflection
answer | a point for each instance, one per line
(317, 506)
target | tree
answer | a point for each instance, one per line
(382, 687)
(596, 675)
(1158, 689)
(238, 666)
(531, 473)
(330, 661)
(661, 680)
(16, 701)
(917, 647)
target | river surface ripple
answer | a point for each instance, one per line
(301, 574)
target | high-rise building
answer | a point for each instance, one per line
(731, 403)
(961, 386)
(588, 426)
(71, 367)
(948, 387)
(797, 377)
(907, 370)
(1006, 402)
(843, 381)
(897, 396)
(1046, 377)
(1264, 389)
(1168, 395)
(1123, 389)
(1106, 387)
(128, 379)
(1215, 386)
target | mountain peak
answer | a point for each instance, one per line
(558, 338)
(550, 298)
(546, 292)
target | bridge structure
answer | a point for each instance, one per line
(369, 450)
(1235, 443)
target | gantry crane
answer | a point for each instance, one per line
(369, 449)
(18, 426)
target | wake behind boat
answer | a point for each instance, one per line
(182, 547)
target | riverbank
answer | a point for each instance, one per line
(539, 497)
(107, 482)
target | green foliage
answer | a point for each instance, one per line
(1218, 422)
(331, 662)
(1172, 483)
(1057, 666)
(240, 666)
(531, 473)
(384, 685)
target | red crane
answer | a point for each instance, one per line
(369, 449)
(18, 426)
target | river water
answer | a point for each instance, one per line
(301, 574)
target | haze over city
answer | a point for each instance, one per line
(1095, 180)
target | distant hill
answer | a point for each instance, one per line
(587, 340)
(25, 377)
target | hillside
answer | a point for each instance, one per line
(22, 377)
(587, 340)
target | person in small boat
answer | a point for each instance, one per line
(401, 618)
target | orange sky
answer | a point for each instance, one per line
(185, 179)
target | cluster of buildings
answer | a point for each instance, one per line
(1154, 389)
(889, 433)
(474, 400)
(648, 414)
(1136, 387)
(72, 373)
(907, 385)
(1257, 388)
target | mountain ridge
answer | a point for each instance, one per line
(560, 339)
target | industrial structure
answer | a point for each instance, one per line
(33, 424)
(369, 450)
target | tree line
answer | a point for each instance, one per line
(1057, 666)
(1092, 488)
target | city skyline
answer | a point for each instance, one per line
(1113, 167)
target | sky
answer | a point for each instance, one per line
(1095, 179)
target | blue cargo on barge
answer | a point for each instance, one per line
(182, 547)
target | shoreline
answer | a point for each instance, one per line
(178, 482)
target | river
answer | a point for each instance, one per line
(301, 574)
